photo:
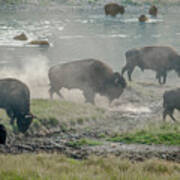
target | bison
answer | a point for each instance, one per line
(89, 75)
(113, 9)
(161, 59)
(142, 18)
(15, 99)
(171, 102)
(2, 134)
(153, 10)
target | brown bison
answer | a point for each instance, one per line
(153, 10)
(90, 75)
(15, 99)
(161, 59)
(171, 102)
(2, 134)
(142, 18)
(113, 9)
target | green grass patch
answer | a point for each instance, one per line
(168, 134)
(83, 142)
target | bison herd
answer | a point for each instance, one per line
(113, 9)
(93, 76)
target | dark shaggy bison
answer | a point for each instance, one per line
(90, 75)
(153, 10)
(171, 102)
(113, 9)
(2, 134)
(15, 99)
(161, 59)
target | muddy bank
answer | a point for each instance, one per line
(60, 144)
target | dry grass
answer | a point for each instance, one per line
(54, 167)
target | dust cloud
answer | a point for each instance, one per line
(34, 73)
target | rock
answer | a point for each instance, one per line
(142, 18)
(21, 37)
(39, 42)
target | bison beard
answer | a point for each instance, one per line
(23, 123)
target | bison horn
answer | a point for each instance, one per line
(28, 116)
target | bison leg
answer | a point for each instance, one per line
(52, 91)
(124, 69)
(164, 77)
(89, 95)
(161, 74)
(129, 70)
(170, 113)
(11, 115)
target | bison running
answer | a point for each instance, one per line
(161, 59)
(113, 9)
(2, 134)
(90, 75)
(15, 99)
(171, 102)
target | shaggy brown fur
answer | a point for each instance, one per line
(90, 75)
(15, 99)
(161, 59)
(171, 102)
(113, 9)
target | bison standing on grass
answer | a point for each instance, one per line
(15, 99)
(90, 75)
(113, 9)
(161, 59)
(171, 102)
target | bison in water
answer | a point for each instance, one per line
(2, 134)
(90, 75)
(15, 99)
(161, 59)
(113, 9)
(171, 102)
(153, 10)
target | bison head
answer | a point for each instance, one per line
(114, 87)
(24, 122)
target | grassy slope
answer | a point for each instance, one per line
(65, 115)
(54, 167)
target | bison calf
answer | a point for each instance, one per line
(2, 134)
(90, 75)
(160, 59)
(15, 99)
(171, 102)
